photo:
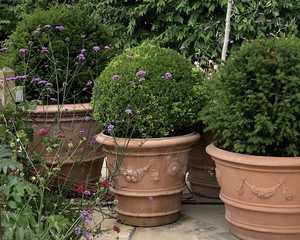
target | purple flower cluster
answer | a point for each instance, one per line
(115, 77)
(23, 52)
(81, 57)
(141, 74)
(17, 78)
(87, 193)
(96, 49)
(3, 50)
(77, 231)
(86, 216)
(109, 128)
(35, 79)
(168, 76)
(44, 50)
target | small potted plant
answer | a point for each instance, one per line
(254, 113)
(143, 98)
(57, 54)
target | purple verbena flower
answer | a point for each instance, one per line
(3, 50)
(87, 193)
(35, 79)
(21, 77)
(44, 50)
(110, 127)
(23, 52)
(81, 57)
(96, 49)
(42, 82)
(107, 47)
(77, 231)
(60, 28)
(168, 76)
(141, 74)
(115, 77)
(89, 83)
(83, 51)
(86, 216)
(11, 79)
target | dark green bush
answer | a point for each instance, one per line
(158, 104)
(256, 98)
(194, 27)
(8, 17)
(61, 66)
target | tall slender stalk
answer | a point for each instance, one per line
(227, 30)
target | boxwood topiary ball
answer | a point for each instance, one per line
(146, 92)
(255, 104)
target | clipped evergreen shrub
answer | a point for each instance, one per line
(146, 92)
(62, 46)
(255, 101)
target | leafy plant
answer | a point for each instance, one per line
(58, 53)
(146, 92)
(194, 27)
(254, 106)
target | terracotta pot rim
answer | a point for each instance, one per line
(78, 107)
(247, 159)
(187, 139)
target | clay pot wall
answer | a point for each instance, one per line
(201, 167)
(148, 176)
(79, 156)
(261, 194)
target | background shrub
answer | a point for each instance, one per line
(146, 92)
(195, 27)
(255, 99)
(8, 17)
(61, 65)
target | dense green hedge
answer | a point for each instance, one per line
(60, 66)
(147, 92)
(196, 27)
(12, 11)
(255, 99)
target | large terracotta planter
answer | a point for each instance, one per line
(261, 194)
(150, 176)
(202, 175)
(80, 163)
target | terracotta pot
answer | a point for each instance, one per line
(202, 175)
(261, 194)
(150, 178)
(80, 162)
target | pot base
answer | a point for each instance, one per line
(245, 234)
(149, 221)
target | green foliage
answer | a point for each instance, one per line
(12, 11)
(8, 17)
(60, 67)
(160, 107)
(194, 27)
(255, 100)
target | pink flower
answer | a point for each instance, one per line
(104, 183)
(43, 132)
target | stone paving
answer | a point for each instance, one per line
(198, 222)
